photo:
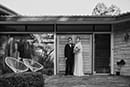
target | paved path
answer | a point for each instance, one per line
(87, 81)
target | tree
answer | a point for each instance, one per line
(101, 9)
(113, 10)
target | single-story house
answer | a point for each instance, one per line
(105, 39)
(4, 11)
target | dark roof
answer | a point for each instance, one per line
(64, 19)
(6, 11)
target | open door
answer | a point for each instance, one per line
(102, 53)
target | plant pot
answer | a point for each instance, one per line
(117, 73)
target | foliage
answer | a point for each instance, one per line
(27, 79)
(120, 64)
(46, 56)
(102, 9)
(40, 44)
(113, 10)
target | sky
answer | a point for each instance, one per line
(60, 7)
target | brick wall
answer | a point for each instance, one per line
(122, 47)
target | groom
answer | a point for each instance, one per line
(69, 57)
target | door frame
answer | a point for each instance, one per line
(111, 53)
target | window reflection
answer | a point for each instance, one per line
(38, 47)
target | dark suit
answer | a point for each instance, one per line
(68, 52)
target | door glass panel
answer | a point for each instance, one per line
(102, 53)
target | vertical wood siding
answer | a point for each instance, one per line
(121, 47)
(86, 41)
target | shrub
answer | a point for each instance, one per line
(27, 79)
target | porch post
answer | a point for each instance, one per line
(93, 53)
(55, 63)
(112, 51)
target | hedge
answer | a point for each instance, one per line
(27, 79)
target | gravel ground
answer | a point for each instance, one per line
(87, 81)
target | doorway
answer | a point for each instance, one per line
(102, 50)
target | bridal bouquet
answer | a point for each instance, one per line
(76, 50)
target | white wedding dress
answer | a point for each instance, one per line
(78, 63)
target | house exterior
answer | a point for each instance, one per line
(105, 39)
(4, 11)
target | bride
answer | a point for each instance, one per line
(78, 66)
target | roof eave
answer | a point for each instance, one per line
(7, 10)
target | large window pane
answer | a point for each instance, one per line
(40, 28)
(74, 28)
(11, 28)
(103, 28)
(32, 49)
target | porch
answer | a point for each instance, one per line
(87, 81)
(37, 79)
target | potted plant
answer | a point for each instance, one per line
(120, 64)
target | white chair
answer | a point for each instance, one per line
(33, 65)
(16, 65)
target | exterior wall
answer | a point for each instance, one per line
(121, 47)
(86, 40)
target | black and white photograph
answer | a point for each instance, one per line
(64, 43)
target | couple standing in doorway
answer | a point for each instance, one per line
(73, 57)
